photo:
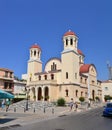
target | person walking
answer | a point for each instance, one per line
(71, 104)
(76, 106)
(3, 104)
(7, 104)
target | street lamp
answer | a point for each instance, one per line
(89, 95)
(27, 94)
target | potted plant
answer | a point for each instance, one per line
(28, 97)
(81, 99)
(97, 98)
(34, 97)
(47, 98)
(41, 97)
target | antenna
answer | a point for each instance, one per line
(110, 70)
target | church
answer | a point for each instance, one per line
(67, 77)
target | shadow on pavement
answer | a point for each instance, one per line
(9, 127)
(5, 120)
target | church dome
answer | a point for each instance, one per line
(35, 46)
(69, 33)
(85, 68)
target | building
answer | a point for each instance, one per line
(67, 77)
(9, 84)
(19, 89)
(6, 80)
(24, 77)
(106, 88)
(107, 84)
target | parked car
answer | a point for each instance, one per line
(107, 110)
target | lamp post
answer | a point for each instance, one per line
(89, 94)
(27, 94)
(89, 87)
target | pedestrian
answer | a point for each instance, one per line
(3, 104)
(71, 104)
(76, 106)
(89, 102)
(7, 104)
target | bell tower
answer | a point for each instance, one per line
(70, 41)
(70, 58)
(34, 62)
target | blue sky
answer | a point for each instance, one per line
(25, 22)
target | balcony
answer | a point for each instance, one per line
(7, 77)
(8, 89)
(41, 82)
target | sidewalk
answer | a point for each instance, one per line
(20, 118)
(24, 118)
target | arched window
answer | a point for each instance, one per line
(66, 42)
(81, 93)
(76, 93)
(39, 77)
(81, 79)
(71, 41)
(35, 53)
(66, 75)
(93, 94)
(66, 92)
(85, 81)
(45, 77)
(53, 66)
(93, 82)
(52, 76)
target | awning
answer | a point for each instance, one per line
(4, 95)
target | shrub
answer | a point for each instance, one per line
(90, 99)
(41, 97)
(34, 97)
(61, 102)
(17, 100)
(47, 97)
(107, 97)
(81, 99)
(97, 98)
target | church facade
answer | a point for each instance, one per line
(67, 77)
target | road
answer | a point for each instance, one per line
(89, 120)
